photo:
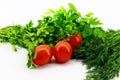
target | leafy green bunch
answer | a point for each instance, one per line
(99, 50)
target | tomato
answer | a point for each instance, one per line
(62, 51)
(43, 54)
(76, 40)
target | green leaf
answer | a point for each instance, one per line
(30, 64)
(51, 45)
(14, 47)
(95, 21)
(87, 32)
(12, 40)
(99, 32)
(29, 25)
(68, 29)
(90, 14)
(72, 7)
(34, 54)
(50, 11)
(41, 40)
(62, 10)
(40, 30)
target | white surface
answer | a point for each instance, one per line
(12, 64)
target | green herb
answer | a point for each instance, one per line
(100, 49)
(105, 62)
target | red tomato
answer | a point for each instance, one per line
(62, 51)
(43, 54)
(76, 40)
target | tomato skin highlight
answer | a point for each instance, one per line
(62, 51)
(76, 40)
(43, 55)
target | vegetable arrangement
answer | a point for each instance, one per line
(66, 34)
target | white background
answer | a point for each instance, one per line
(13, 64)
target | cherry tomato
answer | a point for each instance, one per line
(76, 40)
(43, 54)
(62, 51)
